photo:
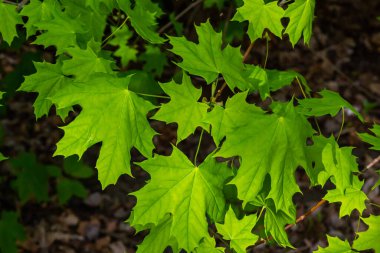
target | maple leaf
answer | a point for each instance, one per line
(111, 114)
(208, 245)
(159, 238)
(32, 178)
(9, 19)
(275, 222)
(155, 60)
(238, 231)
(301, 14)
(67, 188)
(183, 108)
(339, 163)
(330, 103)
(38, 11)
(10, 232)
(271, 144)
(120, 39)
(143, 20)
(353, 198)
(336, 245)
(86, 62)
(61, 31)
(261, 16)
(46, 81)
(185, 191)
(208, 60)
(369, 239)
(211, 3)
(372, 139)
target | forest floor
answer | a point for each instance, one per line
(344, 55)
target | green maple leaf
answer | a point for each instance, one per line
(353, 198)
(38, 11)
(369, 239)
(143, 20)
(238, 231)
(111, 114)
(61, 31)
(301, 14)
(32, 178)
(67, 188)
(185, 191)
(275, 222)
(211, 3)
(208, 60)
(77, 169)
(372, 139)
(155, 60)
(260, 16)
(86, 62)
(268, 81)
(336, 245)
(330, 103)
(271, 144)
(9, 19)
(159, 238)
(208, 245)
(120, 39)
(46, 81)
(339, 163)
(183, 108)
(10, 232)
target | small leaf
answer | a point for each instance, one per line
(67, 188)
(335, 246)
(369, 239)
(238, 231)
(11, 231)
(372, 139)
(330, 103)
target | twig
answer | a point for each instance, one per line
(373, 163)
(9, 2)
(21, 4)
(162, 29)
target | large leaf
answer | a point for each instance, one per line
(185, 191)
(271, 144)
(261, 16)
(111, 114)
(208, 60)
(183, 108)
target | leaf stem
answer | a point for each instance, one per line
(267, 51)
(113, 33)
(151, 95)
(342, 125)
(199, 145)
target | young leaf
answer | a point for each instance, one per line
(46, 81)
(142, 19)
(183, 108)
(271, 144)
(86, 62)
(372, 139)
(238, 231)
(208, 60)
(335, 246)
(10, 232)
(120, 39)
(261, 16)
(185, 191)
(37, 12)
(110, 114)
(330, 103)
(32, 178)
(9, 19)
(301, 14)
(369, 239)
(353, 198)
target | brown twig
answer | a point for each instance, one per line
(169, 24)
(373, 163)
(21, 4)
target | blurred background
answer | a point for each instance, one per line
(59, 203)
